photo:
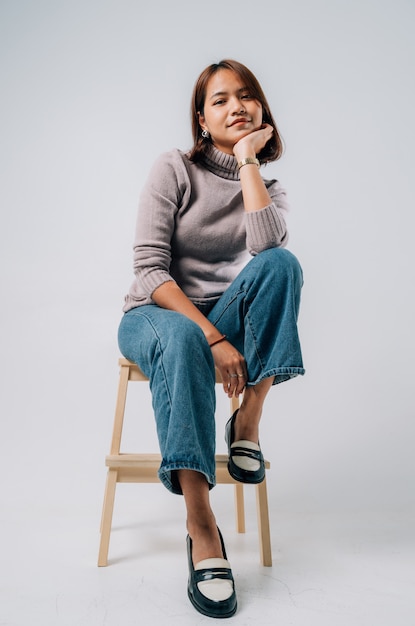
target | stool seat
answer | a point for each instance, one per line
(143, 468)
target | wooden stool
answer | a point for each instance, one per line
(142, 468)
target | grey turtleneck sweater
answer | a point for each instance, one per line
(192, 227)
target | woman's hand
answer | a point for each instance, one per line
(232, 367)
(252, 143)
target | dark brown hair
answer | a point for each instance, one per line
(272, 150)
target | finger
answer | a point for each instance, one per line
(235, 384)
(241, 383)
(238, 377)
(229, 389)
(230, 385)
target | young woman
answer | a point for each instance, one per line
(214, 287)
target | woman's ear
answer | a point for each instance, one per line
(201, 121)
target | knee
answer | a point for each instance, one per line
(183, 331)
(185, 340)
(280, 262)
(184, 350)
(142, 338)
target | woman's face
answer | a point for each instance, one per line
(230, 111)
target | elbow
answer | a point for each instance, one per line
(255, 248)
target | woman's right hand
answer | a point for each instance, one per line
(232, 367)
(252, 143)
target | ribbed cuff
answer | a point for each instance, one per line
(265, 228)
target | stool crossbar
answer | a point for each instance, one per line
(143, 468)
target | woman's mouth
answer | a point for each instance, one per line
(240, 120)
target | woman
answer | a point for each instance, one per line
(214, 287)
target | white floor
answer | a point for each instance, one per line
(332, 569)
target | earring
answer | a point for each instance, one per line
(205, 134)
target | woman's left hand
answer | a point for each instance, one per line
(232, 367)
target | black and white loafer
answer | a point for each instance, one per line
(246, 463)
(211, 587)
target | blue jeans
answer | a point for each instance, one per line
(257, 313)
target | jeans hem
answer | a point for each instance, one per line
(165, 475)
(280, 374)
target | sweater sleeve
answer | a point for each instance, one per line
(267, 228)
(160, 199)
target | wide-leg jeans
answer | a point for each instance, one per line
(258, 314)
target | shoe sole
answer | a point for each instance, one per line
(208, 613)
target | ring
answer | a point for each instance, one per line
(241, 375)
(233, 375)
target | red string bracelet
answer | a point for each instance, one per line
(217, 341)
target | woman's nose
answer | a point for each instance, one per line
(237, 107)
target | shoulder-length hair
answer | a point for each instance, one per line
(272, 150)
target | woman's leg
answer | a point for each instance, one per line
(258, 313)
(201, 523)
(250, 412)
(166, 346)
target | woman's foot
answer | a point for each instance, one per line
(206, 542)
(211, 587)
(246, 463)
(246, 425)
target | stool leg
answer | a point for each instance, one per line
(239, 488)
(234, 404)
(111, 483)
(240, 508)
(263, 524)
(106, 520)
(119, 410)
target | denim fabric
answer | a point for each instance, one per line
(258, 314)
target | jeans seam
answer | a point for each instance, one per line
(254, 340)
(160, 352)
(217, 320)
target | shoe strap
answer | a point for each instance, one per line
(212, 573)
(240, 450)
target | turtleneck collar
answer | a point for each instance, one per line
(220, 163)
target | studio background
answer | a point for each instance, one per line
(92, 92)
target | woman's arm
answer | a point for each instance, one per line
(170, 296)
(254, 192)
(265, 204)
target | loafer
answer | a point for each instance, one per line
(246, 463)
(211, 587)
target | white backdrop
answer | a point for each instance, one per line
(92, 91)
